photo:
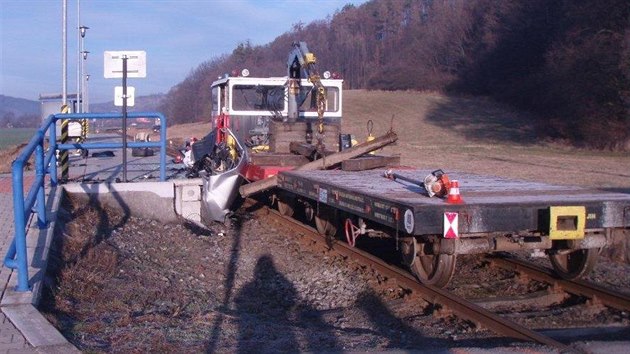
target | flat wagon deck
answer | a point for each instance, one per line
(569, 223)
(491, 204)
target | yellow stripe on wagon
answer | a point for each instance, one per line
(567, 222)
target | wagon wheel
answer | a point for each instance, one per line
(436, 270)
(326, 221)
(286, 204)
(574, 264)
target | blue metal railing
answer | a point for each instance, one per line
(46, 163)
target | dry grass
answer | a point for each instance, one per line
(124, 284)
(480, 136)
(186, 131)
(8, 155)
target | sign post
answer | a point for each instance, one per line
(123, 65)
(124, 122)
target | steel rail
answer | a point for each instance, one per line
(462, 307)
(592, 291)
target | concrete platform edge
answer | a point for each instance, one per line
(151, 200)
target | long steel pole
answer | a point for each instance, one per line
(63, 158)
(64, 53)
(79, 54)
(83, 77)
(124, 118)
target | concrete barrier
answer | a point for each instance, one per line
(163, 201)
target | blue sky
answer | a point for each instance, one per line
(177, 36)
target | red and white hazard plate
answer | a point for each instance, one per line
(450, 225)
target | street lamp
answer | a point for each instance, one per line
(82, 30)
(82, 53)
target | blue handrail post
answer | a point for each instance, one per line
(42, 221)
(20, 226)
(52, 149)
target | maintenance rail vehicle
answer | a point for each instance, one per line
(289, 123)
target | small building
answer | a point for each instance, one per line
(51, 104)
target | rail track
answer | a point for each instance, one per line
(461, 307)
(596, 294)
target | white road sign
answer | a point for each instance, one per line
(118, 96)
(136, 64)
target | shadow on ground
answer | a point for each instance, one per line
(483, 120)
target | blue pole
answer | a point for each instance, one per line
(9, 258)
(20, 225)
(41, 195)
(162, 148)
(52, 151)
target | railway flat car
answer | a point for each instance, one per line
(568, 224)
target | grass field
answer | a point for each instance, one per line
(15, 136)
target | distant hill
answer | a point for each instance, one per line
(21, 106)
(23, 113)
(149, 103)
(17, 106)
(18, 112)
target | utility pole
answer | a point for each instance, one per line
(78, 100)
(64, 53)
(124, 119)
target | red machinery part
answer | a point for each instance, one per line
(223, 121)
(352, 232)
(256, 172)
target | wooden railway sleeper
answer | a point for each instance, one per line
(595, 304)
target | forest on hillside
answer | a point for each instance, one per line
(566, 61)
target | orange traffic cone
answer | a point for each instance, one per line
(453, 193)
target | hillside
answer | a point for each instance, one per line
(18, 106)
(567, 61)
(21, 106)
